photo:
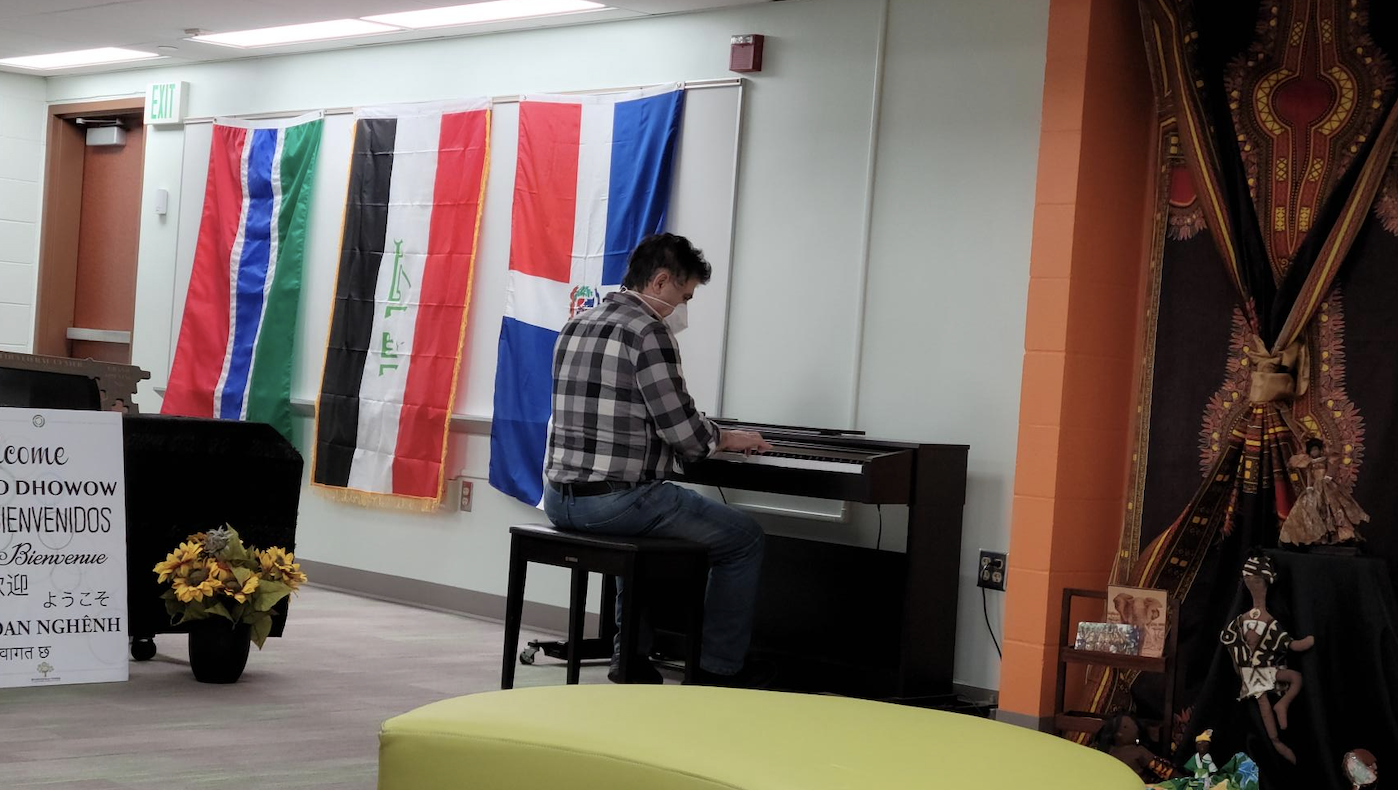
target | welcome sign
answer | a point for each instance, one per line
(63, 616)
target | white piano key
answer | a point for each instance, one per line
(791, 463)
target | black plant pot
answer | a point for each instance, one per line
(218, 650)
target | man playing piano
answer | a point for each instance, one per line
(622, 418)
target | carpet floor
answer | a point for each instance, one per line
(305, 714)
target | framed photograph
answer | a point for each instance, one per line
(1116, 638)
(1144, 608)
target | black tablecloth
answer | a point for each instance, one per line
(186, 475)
(1349, 698)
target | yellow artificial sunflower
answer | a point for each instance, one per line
(218, 569)
(179, 562)
(188, 593)
(279, 565)
(240, 594)
(293, 576)
(270, 558)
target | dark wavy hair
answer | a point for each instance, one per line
(669, 252)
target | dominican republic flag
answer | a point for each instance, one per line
(593, 179)
(412, 216)
(233, 359)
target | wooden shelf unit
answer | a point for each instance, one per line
(1065, 721)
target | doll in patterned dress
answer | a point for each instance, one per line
(1324, 512)
(1258, 646)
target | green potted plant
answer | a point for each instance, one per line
(227, 591)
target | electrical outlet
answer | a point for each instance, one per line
(465, 496)
(991, 570)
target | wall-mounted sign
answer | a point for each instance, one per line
(166, 103)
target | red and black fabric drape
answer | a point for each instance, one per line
(1272, 282)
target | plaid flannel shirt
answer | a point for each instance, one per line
(621, 412)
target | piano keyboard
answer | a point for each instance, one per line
(791, 462)
(813, 462)
(795, 456)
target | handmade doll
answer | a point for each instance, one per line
(1258, 646)
(1201, 763)
(1120, 736)
(1360, 767)
(1202, 773)
(1324, 512)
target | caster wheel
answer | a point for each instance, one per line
(527, 656)
(142, 649)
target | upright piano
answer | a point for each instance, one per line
(867, 622)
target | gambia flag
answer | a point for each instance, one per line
(233, 358)
(412, 217)
(593, 179)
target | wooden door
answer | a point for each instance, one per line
(91, 236)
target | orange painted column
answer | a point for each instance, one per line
(1089, 253)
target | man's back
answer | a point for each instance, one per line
(620, 408)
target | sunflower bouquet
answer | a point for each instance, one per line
(213, 574)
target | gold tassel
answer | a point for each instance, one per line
(353, 496)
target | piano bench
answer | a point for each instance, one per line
(701, 738)
(642, 564)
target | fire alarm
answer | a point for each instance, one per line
(746, 53)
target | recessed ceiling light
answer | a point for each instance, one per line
(479, 13)
(81, 57)
(295, 34)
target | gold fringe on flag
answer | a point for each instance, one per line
(353, 496)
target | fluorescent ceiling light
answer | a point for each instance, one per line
(294, 34)
(81, 57)
(479, 13)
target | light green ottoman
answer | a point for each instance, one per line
(690, 737)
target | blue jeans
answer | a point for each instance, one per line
(665, 510)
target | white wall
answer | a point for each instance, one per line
(949, 259)
(22, 121)
(949, 255)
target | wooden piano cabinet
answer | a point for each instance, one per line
(934, 571)
(852, 620)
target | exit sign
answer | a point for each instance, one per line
(166, 102)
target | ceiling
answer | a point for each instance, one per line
(36, 27)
